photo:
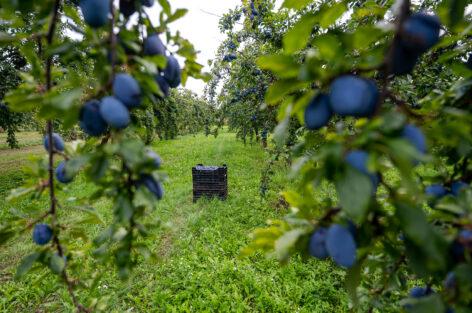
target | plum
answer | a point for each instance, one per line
(58, 142)
(451, 281)
(457, 186)
(172, 72)
(341, 245)
(127, 7)
(358, 159)
(318, 112)
(402, 61)
(154, 46)
(353, 96)
(229, 57)
(114, 113)
(155, 187)
(436, 191)
(163, 84)
(317, 245)
(42, 234)
(147, 3)
(420, 32)
(127, 90)
(91, 120)
(62, 175)
(415, 137)
(465, 238)
(156, 159)
(418, 292)
(95, 12)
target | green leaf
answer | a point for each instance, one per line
(179, 13)
(57, 263)
(282, 65)
(26, 264)
(281, 88)
(329, 47)
(355, 192)
(165, 6)
(286, 242)
(328, 14)
(296, 4)
(353, 279)
(296, 38)
(6, 39)
(5, 235)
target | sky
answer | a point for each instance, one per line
(200, 28)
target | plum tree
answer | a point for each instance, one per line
(114, 112)
(42, 234)
(317, 245)
(172, 72)
(154, 46)
(318, 112)
(90, 119)
(353, 96)
(127, 90)
(341, 245)
(58, 142)
(95, 12)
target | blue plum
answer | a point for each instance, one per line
(436, 191)
(147, 3)
(155, 158)
(229, 57)
(172, 72)
(127, 7)
(62, 175)
(415, 137)
(154, 46)
(341, 245)
(91, 120)
(465, 238)
(358, 159)
(42, 234)
(318, 112)
(457, 187)
(317, 245)
(402, 61)
(451, 281)
(95, 12)
(155, 187)
(114, 113)
(163, 84)
(418, 292)
(58, 142)
(127, 90)
(232, 45)
(420, 32)
(353, 96)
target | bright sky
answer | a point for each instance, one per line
(200, 28)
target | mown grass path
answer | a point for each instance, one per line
(199, 269)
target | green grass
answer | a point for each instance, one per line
(199, 269)
(25, 139)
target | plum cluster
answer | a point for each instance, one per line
(96, 12)
(349, 95)
(438, 191)
(337, 242)
(230, 57)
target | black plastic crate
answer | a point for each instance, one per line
(210, 181)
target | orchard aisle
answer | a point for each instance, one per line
(198, 246)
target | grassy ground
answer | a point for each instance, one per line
(25, 139)
(199, 269)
